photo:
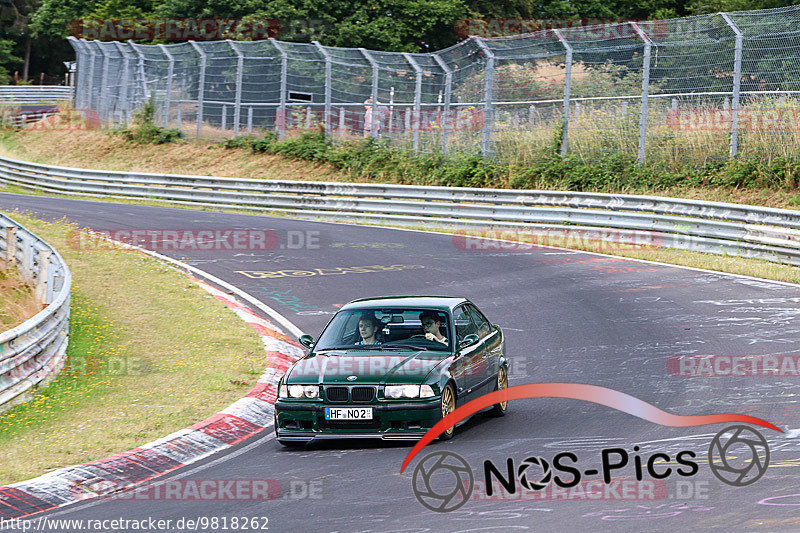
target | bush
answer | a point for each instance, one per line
(376, 160)
(144, 131)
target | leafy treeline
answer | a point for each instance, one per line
(32, 31)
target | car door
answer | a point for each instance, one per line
(469, 360)
(491, 351)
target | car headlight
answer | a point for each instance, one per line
(402, 391)
(299, 391)
(426, 391)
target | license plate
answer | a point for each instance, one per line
(348, 413)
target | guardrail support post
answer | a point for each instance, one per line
(237, 110)
(11, 246)
(417, 99)
(448, 95)
(567, 88)
(280, 117)
(170, 75)
(488, 96)
(737, 80)
(328, 83)
(645, 91)
(373, 132)
(42, 275)
(201, 85)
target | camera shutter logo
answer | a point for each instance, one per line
(737, 443)
(544, 480)
(443, 482)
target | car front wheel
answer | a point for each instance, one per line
(448, 406)
(499, 409)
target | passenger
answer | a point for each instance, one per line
(368, 327)
(431, 325)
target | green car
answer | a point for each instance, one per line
(390, 368)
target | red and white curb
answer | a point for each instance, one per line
(241, 420)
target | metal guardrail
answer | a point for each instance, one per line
(32, 353)
(711, 227)
(16, 95)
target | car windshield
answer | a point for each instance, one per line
(376, 330)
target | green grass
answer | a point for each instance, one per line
(150, 353)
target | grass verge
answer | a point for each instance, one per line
(150, 353)
(17, 301)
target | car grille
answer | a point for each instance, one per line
(336, 394)
(375, 423)
(362, 394)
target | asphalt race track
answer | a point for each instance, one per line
(567, 317)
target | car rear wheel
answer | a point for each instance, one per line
(499, 409)
(448, 406)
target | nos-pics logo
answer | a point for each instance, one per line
(443, 481)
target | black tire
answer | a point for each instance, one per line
(448, 404)
(499, 409)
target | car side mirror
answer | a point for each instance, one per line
(307, 341)
(468, 341)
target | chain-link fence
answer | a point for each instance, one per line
(688, 89)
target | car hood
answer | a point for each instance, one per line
(359, 367)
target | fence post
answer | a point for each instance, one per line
(448, 95)
(488, 93)
(170, 75)
(102, 96)
(79, 96)
(237, 109)
(737, 80)
(90, 78)
(567, 88)
(373, 132)
(417, 99)
(645, 90)
(140, 55)
(126, 79)
(280, 117)
(328, 82)
(201, 85)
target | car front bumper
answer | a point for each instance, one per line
(303, 422)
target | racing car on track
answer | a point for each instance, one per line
(391, 368)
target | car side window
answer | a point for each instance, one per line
(464, 325)
(482, 325)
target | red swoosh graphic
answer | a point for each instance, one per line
(578, 391)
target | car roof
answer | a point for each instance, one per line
(432, 302)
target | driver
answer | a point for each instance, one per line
(368, 329)
(431, 325)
